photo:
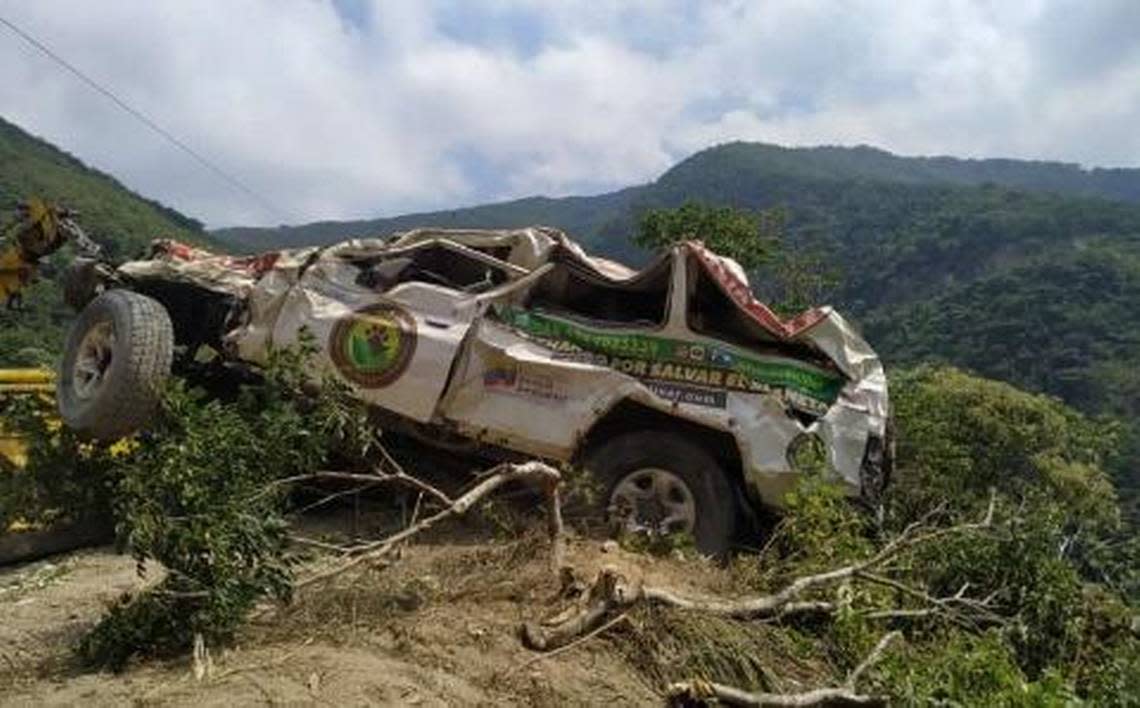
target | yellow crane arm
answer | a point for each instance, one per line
(15, 273)
(40, 230)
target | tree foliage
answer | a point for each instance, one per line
(201, 496)
(1046, 567)
(749, 238)
(1047, 618)
(66, 479)
(793, 275)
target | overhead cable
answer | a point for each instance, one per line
(144, 119)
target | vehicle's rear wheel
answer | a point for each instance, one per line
(118, 355)
(656, 483)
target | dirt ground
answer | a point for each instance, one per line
(439, 627)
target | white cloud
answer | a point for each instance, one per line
(410, 105)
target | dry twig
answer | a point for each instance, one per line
(847, 694)
(533, 472)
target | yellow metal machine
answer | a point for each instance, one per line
(15, 382)
(40, 229)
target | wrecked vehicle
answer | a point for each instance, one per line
(685, 396)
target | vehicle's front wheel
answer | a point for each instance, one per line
(657, 483)
(118, 355)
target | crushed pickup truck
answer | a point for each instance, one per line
(680, 392)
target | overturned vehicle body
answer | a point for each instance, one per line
(685, 396)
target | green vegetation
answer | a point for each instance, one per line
(748, 238)
(797, 273)
(193, 497)
(198, 499)
(121, 221)
(1066, 321)
(203, 493)
(200, 495)
(1064, 623)
(1056, 621)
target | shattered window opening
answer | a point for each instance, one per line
(435, 264)
(571, 289)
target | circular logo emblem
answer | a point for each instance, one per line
(372, 346)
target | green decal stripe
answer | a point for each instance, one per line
(820, 385)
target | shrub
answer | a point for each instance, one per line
(65, 479)
(202, 495)
(961, 437)
(966, 669)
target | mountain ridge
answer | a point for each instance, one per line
(32, 166)
(120, 220)
(761, 162)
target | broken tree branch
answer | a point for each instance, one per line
(567, 647)
(962, 609)
(369, 478)
(871, 659)
(847, 694)
(534, 472)
(611, 593)
(554, 526)
(365, 479)
(329, 498)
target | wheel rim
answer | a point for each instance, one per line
(653, 500)
(93, 360)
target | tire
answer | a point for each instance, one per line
(630, 458)
(117, 357)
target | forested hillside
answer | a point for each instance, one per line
(120, 220)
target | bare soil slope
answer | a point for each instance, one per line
(439, 627)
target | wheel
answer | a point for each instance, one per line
(658, 483)
(118, 355)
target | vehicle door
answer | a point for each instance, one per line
(391, 323)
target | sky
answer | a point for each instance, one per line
(333, 109)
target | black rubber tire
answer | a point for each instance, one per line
(141, 357)
(716, 506)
